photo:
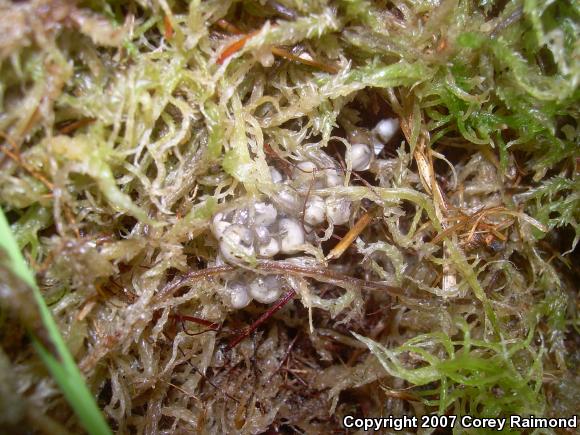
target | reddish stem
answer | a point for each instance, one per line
(167, 28)
(199, 321)
(234, 47)
(271, 311)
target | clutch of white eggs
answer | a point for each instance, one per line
(265, 229)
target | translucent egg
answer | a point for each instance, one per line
(292, 236)
(337, 210)
(315, 211)
(360, 156)
(238, 294)
(236, 243)
(266, 289)
(387, 128)
(265, 214)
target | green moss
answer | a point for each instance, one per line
(467, 376)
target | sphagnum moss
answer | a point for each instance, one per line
(171, 169)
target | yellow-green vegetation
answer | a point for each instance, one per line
(268, 214)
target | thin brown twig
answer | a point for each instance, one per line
(184, 392)
(234, 47)
(269, 313)
(15, 156)
(298, 378)
(463, 221)
(229, 27)
(75, 125)
(350, 237)
(324, 274)
(286, 355)
(319, 273)
(277, 51)
(192, 276)
(209, 381)
(168, 30)
(72, 221)
(211, 326)
(280, 52)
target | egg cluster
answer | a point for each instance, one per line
(264, 229)
(257, 230)
(243, 289)
(282, 225)
(293, 193)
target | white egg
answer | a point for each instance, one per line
(266, 289)
(219, 225)
(306, 167)
(269, 249)
(287, 199)
(236, 243)
(292, 236)
(267, 245)
(240, 216)
(238, 294)
(265, 214)
(262, 234)
(337, 210)
(315, 211)
(305, 172)
(333, 178)
(360, 156)
(387, 128)
(276, 175)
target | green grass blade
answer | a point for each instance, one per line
(62, 366)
